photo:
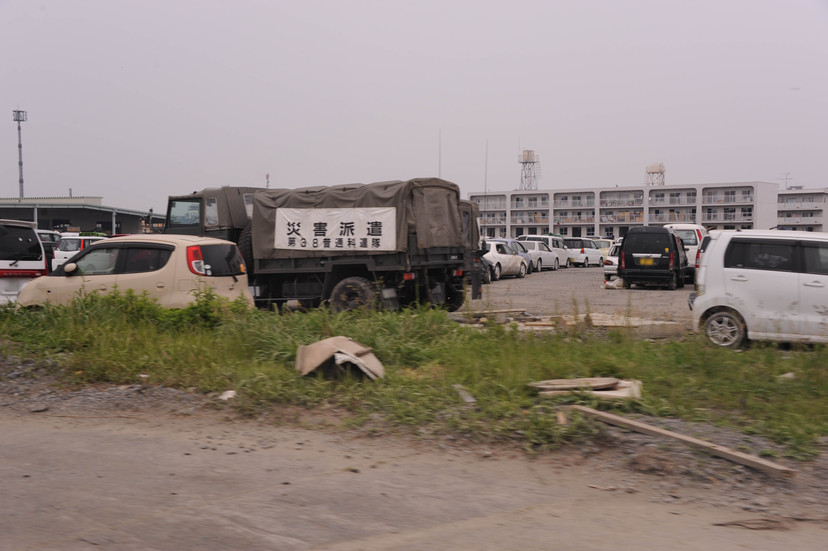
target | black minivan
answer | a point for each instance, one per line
(652, 254)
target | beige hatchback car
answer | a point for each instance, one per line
(169, 268)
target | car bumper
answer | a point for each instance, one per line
(691, 299)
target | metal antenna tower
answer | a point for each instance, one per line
(529, 169)
(20, 116)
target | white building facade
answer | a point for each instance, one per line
(613, 211)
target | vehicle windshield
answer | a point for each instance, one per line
(184, 212)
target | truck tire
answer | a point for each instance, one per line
(352, 293)
(246, 247)
(455, 296)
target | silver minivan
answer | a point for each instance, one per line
(22, 258)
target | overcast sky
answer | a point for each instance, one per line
(134, 100)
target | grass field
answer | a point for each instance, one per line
(215, 345)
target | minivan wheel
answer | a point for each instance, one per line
(539, 267)
(556, 265)
(586, 263)
(725, 329)
(673, 283)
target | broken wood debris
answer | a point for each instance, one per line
(606, 388)
(751, 461)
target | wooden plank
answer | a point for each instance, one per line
(737, 457)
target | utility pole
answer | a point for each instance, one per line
(20, 116)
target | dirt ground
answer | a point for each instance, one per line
(138, 467)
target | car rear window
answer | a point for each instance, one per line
(688, 236)
(222, 260)
(646, 242)
(19, 243)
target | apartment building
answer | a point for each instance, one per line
(612, 211)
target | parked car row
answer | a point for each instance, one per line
(168, 268)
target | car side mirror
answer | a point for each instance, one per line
(70, 269)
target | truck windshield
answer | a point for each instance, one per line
(184, 213)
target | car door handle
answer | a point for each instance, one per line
(814, 284)
(160, 285)
(739, 278)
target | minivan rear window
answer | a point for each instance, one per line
(688, 236)
(19, 243)
(222, 260)
(647, 242)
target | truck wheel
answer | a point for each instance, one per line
(246, 247)
(454, 297)
(352, 293)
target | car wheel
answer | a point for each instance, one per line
(522, 271)
(496, 272)
(601, 261)
(529, 267)
(626, 283)
(556, 265)
(539, 267)
(586, 263)
(725, 329)
(680, 280)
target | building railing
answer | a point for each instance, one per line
(666, 218)
(809, 205)
(673, 201)
(725, 217)
(619, 203)
(630, 217)
(493, 222)
(530, 219)
(799, 220)
(574, 220)
(726, 200)
(574, 204)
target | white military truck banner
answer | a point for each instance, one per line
(336, 229)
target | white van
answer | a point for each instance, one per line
(555, 244)
(762, 285)
(22, 258)
(692, 235)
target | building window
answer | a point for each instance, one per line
(591, 231)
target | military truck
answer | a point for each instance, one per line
(387, 244)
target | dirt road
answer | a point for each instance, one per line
(136, 481)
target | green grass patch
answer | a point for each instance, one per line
(216, 345)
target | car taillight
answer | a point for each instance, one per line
(623, 262)
(671, 261)
(698, 257)
(457, 273)
(195, 261)
(23, 273)
(582, 250)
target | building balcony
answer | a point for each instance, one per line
(620, 203)
(670, 201)
(493, 222)
(799, 205)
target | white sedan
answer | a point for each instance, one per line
(505, 261)
(542, 256)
